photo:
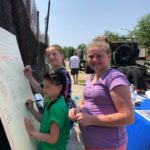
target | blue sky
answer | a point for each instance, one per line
(73, 22)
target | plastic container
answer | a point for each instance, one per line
(147, 94)
(39, 101)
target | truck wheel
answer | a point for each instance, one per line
(122, 54)
(135, 77)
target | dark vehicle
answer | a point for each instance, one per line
(125, 58)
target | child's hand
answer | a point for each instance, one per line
(30, 129)
(84, 119)
(27, 71)
(29, 104)
(71, 114)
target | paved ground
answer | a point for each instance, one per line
(75, 142)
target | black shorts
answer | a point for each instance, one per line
(74, 71)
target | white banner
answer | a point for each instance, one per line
(14, 90)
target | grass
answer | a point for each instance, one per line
(81, 82)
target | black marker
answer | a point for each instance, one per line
(34, 101)
(37, 100)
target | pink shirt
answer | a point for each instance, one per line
(98, 101)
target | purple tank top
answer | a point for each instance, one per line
(98, 101)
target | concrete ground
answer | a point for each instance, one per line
(76, 142)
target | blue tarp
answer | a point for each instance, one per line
(139, 132)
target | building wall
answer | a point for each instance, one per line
(142, 52)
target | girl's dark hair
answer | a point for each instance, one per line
(56, 77)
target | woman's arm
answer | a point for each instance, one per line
(122, 101)
(50, 137)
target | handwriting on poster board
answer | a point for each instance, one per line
(14, 90)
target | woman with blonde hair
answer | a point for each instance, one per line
(106, 107)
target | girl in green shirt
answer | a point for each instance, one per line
(54, 128)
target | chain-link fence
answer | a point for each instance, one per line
(21, 18)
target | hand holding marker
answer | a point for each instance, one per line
(38, 100)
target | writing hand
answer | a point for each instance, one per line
(27, 71)
(29, 104)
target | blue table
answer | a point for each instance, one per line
(145, 105)
(139, 132)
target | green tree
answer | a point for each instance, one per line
(81, 49)
(141, 32)
(68, 51)
(111, 36)
(81, 46)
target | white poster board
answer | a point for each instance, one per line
(14, 90)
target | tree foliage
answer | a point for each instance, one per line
(81, 46)
(81, 49)
(68, 51)
(114, 36)
(111, 36)
(141, 32)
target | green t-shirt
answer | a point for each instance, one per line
(45, 101)
(58, 113)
